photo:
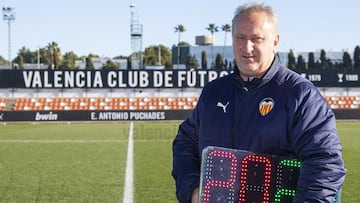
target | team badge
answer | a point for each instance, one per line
(266, 105)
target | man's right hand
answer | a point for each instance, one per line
(195, 196)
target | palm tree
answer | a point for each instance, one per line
(54, 55)
(226, 28)
(180, 28)
(212, 28)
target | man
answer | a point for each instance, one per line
(265, 108)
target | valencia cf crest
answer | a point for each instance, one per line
(266, 105)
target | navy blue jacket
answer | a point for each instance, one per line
(282, 113)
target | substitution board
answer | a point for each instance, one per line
(230, 175)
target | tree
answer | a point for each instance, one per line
(20, 62)
(180, 28)
(151, 56)
(357, 57)
(110, 65)
(54, 55)
(184, 44)
(226, 28)
(203, 60)
(301, 64)
(27, 56)
(219, 62)
(347, 63)
(128, 63)
(89, 65)
(191, 62)
(24, 56)
(212, 28)
(68, 61)
(158, 55)
(226, 64)
(43, 53)
(311, 61)
(323, 60)
(291, 60)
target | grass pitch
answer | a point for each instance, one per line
(349, 133)
(62, 163)
(85, 162)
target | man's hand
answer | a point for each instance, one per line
(195, 196)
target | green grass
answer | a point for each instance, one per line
(62, 171)
(85, 162)
(153, 162)
(349, 133)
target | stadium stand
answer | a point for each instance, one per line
(134, 103)
(343, 102)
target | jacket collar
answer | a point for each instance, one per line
(257, 82)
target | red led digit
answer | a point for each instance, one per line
(247, 169)
(212, 183)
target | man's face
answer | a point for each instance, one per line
(254, 43)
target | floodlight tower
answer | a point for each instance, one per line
(136, 30)
(9, 15)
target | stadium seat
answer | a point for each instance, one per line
(2, 104)
(119, 103)
(343, 102)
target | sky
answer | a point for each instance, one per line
(103, 27)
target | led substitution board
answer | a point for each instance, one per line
(230, 175)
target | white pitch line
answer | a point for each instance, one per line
(128, 188)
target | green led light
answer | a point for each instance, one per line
(283, 192)
(290, 163)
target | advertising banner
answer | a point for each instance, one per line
(107, 78)
(62, 79)
(37, 116)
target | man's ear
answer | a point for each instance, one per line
(276, 42)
